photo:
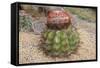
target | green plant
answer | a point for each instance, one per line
(83, 13)
(60, 42)
(25, 23)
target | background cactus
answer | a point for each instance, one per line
(25, 22)
(60, 42)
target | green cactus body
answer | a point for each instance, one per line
(60, 42)
(25, 23)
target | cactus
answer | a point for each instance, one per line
(25, 23)
(60, 42)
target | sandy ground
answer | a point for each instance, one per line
(29, 43)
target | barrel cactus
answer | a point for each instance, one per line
(25, 21)
(61, 38)
(60, 42)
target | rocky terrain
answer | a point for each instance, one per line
(30, 41)
(29, 51)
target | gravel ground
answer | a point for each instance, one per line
(29, 43)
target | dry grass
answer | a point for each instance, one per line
(83, 13)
